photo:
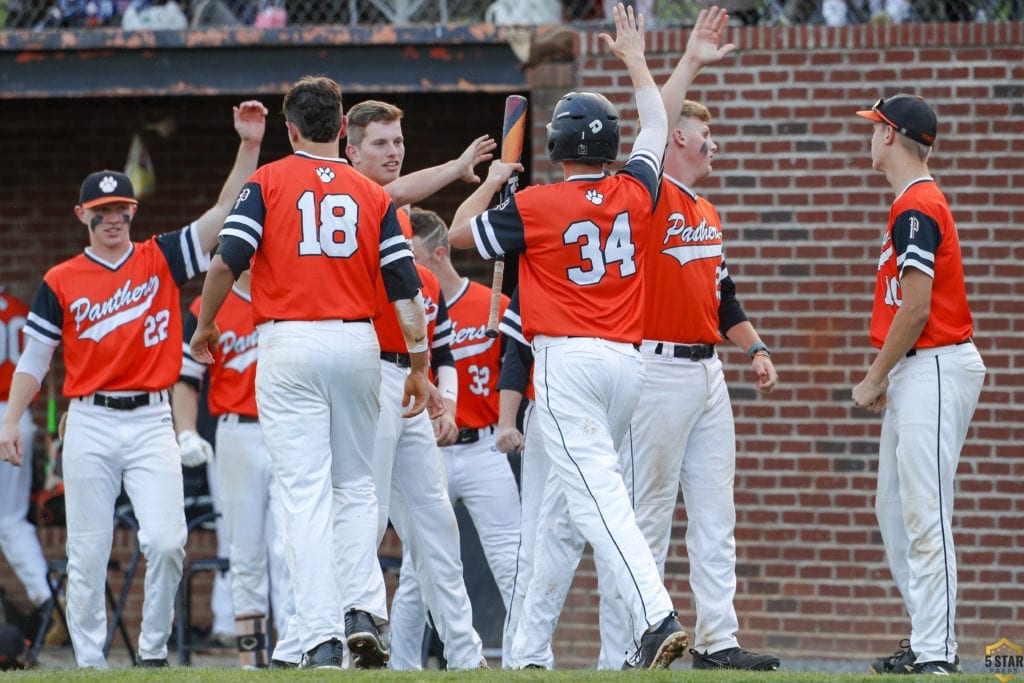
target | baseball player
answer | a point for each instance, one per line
(925, 380)
(409, 468)
(248, 494)
(116, 309)
(319, 236)
(514, 385)
(19, 542)
(684, 372)
(582, 244)
(476, 472)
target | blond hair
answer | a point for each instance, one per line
(367, 112)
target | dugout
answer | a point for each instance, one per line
(71, 103)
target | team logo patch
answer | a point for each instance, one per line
(595, 197)
(326, 173)
(108, 184)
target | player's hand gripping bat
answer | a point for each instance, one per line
(513, 131)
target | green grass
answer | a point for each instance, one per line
(686, 675)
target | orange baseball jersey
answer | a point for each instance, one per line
(921, 234)
(582, 244)
(685, 266)
(120, 322)
(13, 316)
(389, 332)
(233, 371)
(477, 357)
(317, 232)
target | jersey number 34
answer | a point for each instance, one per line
(618, 248)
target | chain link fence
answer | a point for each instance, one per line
(153, 14)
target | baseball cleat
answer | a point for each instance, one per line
(735, 658)
(662, 644)
(939, 668)
(327, 655)
(152, 663)
(899, 662)
(363, 638)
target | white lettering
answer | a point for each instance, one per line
(702, 232)
(83, 309)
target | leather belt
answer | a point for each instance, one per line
(402, 360)
(241, 419)
(125, 402)
(469, 435)
(693, 352)
(913, 352)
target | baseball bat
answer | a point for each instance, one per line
(513, 132)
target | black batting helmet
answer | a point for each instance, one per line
(584, 128)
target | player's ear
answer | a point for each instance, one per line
(352, 152)
(80, 214)
(343, 131)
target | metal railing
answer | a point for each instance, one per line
(155, 14)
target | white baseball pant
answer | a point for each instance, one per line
(220, 596)
(103, 448)
(407, 456)
(18, 540)
(693, 445)
(317, 388)
(587, 389)
(479, 475)
(931, 399)
(533, 476)
(250, 503)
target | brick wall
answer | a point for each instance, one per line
(802, 211)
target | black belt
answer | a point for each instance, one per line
(691, 351)
(467, 435)
(123, 402)
(402, 360)
(913, 352)
(242, 418)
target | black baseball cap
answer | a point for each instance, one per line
(105, 187)
(910, 115)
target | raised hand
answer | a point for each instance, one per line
(250, 120)
(479, 151)
(629, 33)
(703, 45)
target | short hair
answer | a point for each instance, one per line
(367, 112)
(313, 105)
(913, 147)
(694, 109)
(429, 227)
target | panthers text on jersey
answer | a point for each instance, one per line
(685, 266)
(921, 234)
(233, 372)
(120, 322)
(477, 356)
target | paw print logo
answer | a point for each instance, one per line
(595, 197)
(108, 184)
(325, 173)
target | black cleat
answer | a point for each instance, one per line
(899, 662)
(662, 644)
(281, 664)
(329, 654)
(152, 663)
(938, 668)
(735, 658)
(363, 638)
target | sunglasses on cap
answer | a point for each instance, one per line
(877, 108)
